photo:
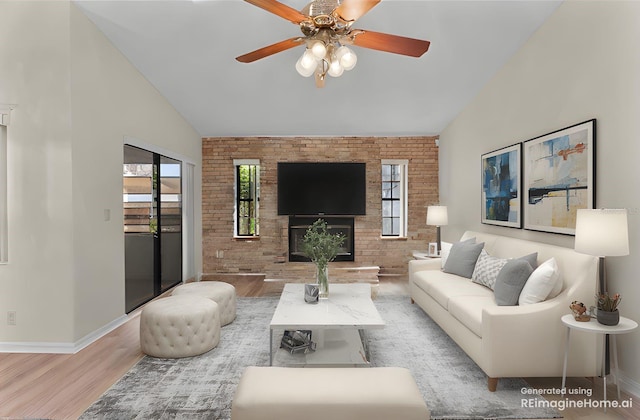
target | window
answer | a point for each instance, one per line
(394, 198)
(247, 197)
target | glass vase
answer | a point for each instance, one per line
(322, 278)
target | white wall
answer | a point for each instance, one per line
(583, 63)
(78, 98)
(37, 282)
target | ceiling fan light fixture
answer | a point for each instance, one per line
(308, 60)
(335, 68)
(347, 57)
(326, 26)
(318, 49)
(306, 67)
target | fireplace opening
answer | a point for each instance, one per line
(298, 227)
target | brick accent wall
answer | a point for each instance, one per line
(223, 254)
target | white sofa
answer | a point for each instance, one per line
(511, 341)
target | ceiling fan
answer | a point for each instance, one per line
(326, 26)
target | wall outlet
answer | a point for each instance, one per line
(219, 253)
(11, 318)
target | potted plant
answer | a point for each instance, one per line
(608, 308)
(321, 247)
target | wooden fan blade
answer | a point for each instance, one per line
(270, 50)
(279, 9)
(390, 43)
(351, 10)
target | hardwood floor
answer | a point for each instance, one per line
(55, 386)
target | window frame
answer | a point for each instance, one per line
(403, 166)
(255, 197)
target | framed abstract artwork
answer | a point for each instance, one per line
(501, 197)
(559, 173)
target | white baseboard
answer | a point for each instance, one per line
(62, 348)
(629, 386)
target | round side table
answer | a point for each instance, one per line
(421, 255)
(626, 325)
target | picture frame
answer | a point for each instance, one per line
(501, 187)
(559, 177)
(432, 250)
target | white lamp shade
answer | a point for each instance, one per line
(437, 216)
(602, 232)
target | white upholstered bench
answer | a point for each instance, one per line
(278, 393)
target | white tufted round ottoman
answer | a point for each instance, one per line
(224, 294)
(179, 326)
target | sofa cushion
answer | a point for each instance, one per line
(424, 279)
(468, 310)
(462, 258)
(442, 286)
(540, 283)
(487, 269)
(510, 281)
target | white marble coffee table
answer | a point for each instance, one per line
(338, 325)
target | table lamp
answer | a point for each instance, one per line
(603, 233)
(437, 216)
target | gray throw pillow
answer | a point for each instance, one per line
(532, 259)
(444, 253)
(462, 258)
(510, 282)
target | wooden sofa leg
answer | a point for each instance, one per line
(412, 301)
(492, 384)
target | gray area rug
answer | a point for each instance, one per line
(202, 387)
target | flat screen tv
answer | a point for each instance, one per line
(333, 188)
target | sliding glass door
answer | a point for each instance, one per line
(152, 200)
(170, 223)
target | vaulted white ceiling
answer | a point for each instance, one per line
(187, 50)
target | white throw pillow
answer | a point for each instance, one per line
(557, 288)
(540, 283)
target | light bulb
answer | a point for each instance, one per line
(308, 60)
(347, 57)
(318, 49)
(302, 70)
(335, 69)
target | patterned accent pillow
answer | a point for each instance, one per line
(487, 269)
